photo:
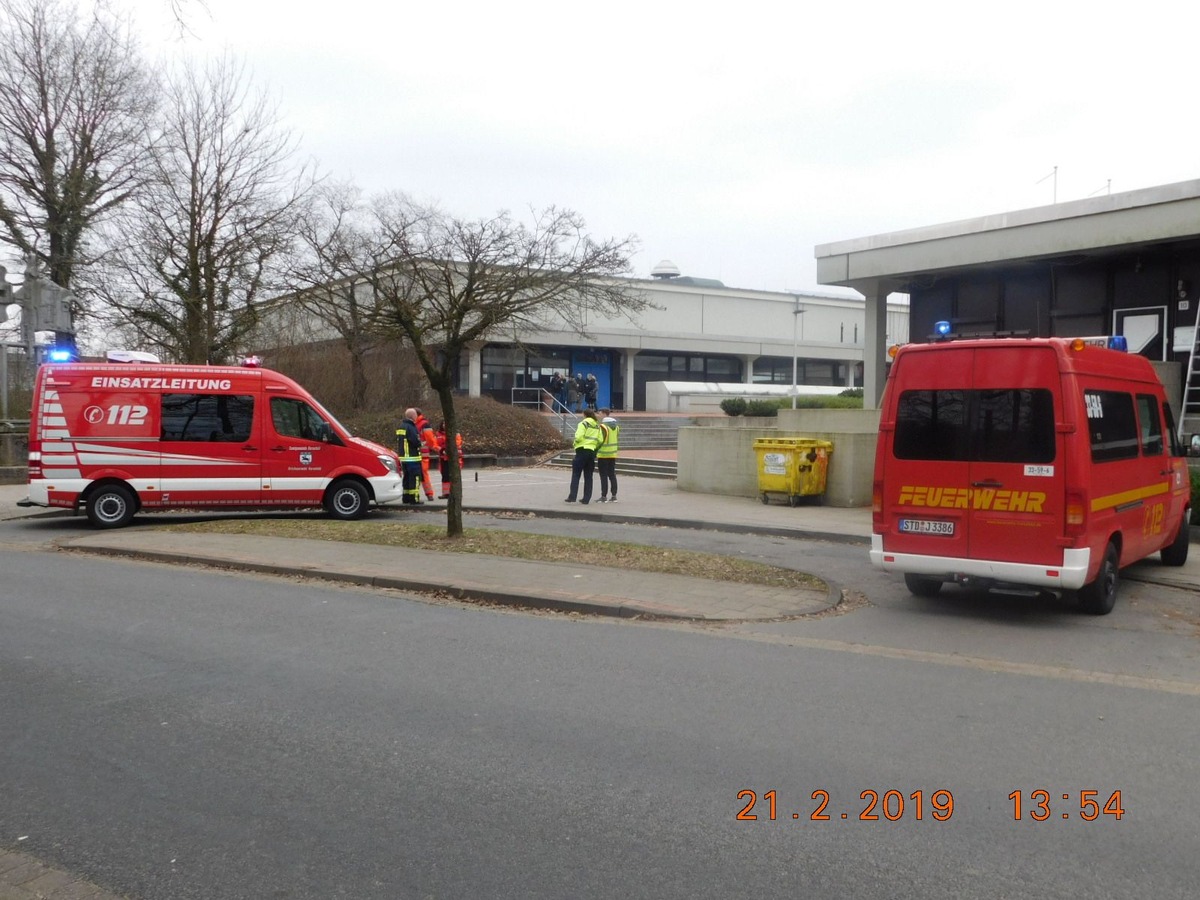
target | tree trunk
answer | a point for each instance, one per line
(454, 518)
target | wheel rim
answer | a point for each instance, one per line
(347, 501)
(110, 508)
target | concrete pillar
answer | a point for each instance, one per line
(475, 368)
(874, 347)
(627, 394)
(748, 368)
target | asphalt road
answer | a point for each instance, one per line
(178, 733)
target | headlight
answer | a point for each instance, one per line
(388, 463)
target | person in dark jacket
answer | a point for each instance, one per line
(408, 447)
(591, 391)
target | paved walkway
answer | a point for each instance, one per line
(541, 490)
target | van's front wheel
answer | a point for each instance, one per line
(1100, 596)
(111, 506)
(347, 500)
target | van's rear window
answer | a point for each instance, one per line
(1008, 425)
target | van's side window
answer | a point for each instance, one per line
(1177, 448)
(1112, 425)
(207, 417)
(295, 418)
(1005, 425)
(1150, 426)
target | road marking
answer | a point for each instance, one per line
(983, 664)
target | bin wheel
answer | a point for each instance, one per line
(764, 498)
(794, 500)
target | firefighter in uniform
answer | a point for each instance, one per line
(429, 450)
(408, 447)
(588, 438)
(444, 457)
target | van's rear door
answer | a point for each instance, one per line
(1016, 473)
(926, 476)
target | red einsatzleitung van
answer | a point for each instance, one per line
(114, 439)
(1045, 463)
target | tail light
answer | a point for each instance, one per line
(1076, 517)
(35, 464)
(877, 507)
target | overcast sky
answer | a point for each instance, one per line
(729, 138)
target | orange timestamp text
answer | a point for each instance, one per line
(873, 806)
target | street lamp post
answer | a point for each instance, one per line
(797, 312)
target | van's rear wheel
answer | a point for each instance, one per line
(1099, 597)
(110, 507)
(920, 586)
(347, 500)
(1176, 552)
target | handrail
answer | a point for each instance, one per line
(541, 400)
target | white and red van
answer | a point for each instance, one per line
(114, 439)
(1037, 463)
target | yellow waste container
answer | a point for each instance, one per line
(795, 467)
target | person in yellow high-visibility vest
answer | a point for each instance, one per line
(606, 459)
(588, 438)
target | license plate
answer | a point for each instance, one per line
(926, 526)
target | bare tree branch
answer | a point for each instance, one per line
(442, 284)
(205, 238)
(76, 103)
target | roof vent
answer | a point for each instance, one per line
(664, 270)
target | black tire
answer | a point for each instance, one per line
(1176, 552)
(1100, 596)
(346, 500)
(921, 586)
(764, 498)
(110, 506)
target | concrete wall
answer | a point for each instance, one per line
(717, 456)
(14, 448)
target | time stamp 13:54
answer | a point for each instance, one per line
(874, 805)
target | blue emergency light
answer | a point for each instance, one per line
(942, 328)
(1118, 342)
(61, 354)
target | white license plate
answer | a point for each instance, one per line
(926, 526)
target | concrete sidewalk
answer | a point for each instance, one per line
(540, 491)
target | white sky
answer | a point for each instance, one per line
(729, 138)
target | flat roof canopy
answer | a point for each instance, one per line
(1095, 227)
(1166, 217)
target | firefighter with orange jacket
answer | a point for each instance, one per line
(444, 456)
(430, 448)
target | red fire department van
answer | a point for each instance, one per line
(1032, 463)
(114, 439)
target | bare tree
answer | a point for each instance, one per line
(205, 238)
(334, 246)
(76, 101)
(442, 284)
